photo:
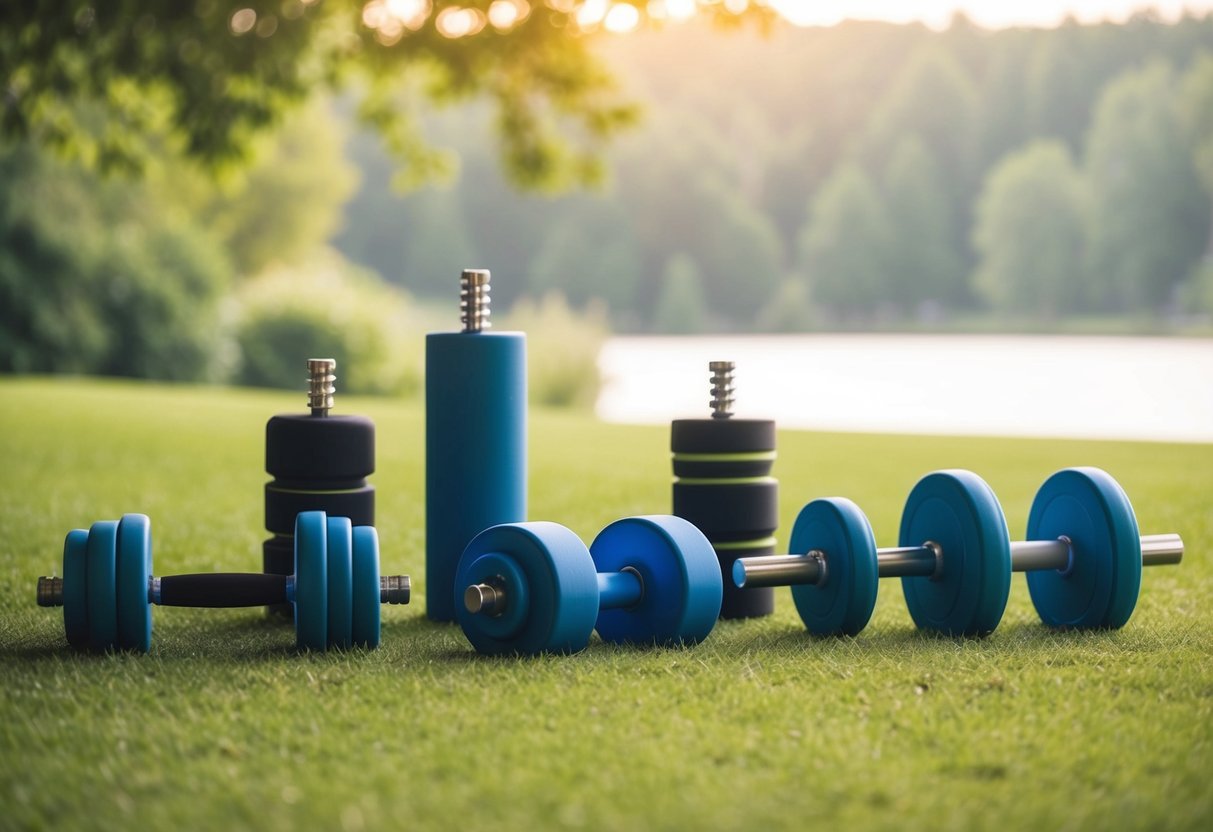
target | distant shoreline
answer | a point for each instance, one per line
(1081, 387)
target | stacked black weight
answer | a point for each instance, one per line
(319, 463)
(723, 485)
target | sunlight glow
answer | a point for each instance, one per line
(937, 14)
(458, 22)
(621, 18)
(592, 12)
(391, 18)
(504, 14)
(243, 21)
(680, 9)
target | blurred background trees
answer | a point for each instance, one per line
(195, 190)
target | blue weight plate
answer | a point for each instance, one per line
(102, 585)
(364, 613)
(681, 577)
(1099, 589)
(340, 581)
(311, 581)
(134, 568)
(75, 587)
(843, 604)
(506, 572)
(958, 511)
(550, 586)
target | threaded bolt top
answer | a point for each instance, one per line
(474, 300)
(722, 388)
(320, 386)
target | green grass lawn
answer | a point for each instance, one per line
(761, 726)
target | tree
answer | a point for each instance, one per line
(929, 268)
(681, 308)
(95, 277)
(1196, 119)
(289, 201)
(1149, 218)
(1030, 233)
(934, 99)
(845, 244)
(589, 253)
(219, 70)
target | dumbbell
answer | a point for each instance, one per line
(529, 588)
(107, 589)
(1083, 557)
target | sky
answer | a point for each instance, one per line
(988, 13)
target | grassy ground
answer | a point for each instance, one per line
(223, 725)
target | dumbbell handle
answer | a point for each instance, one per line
(616, 590)
(924, 561)
(226, 589)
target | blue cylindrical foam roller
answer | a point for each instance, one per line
(475, 449)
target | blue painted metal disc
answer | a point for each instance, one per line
(958, 510)
(1099, 589)
(102, 585)
(340, 581)
(311, 581)
(365, 595)
(843, 604)
(505, 571)
(681, 576)
(134, 569)
(550, 568)
(75, 587)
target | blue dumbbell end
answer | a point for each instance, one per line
(102, 563)
(1099, 588)
(549, 583)
(958, 511)
(340, 581)
(842, 604)
(682, 586)
(365, 595)
(311, 581)
(75, 587)
(134, 569)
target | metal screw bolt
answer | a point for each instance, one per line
(474, 300)
(320, 387)
(722, 388)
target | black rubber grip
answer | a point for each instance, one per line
(281, 507)
(745, 511)
(721, 436)
(744, 603)
(222, 589)
(278, 558)
(319, 448)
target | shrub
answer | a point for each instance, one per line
(328, 309)
(562, 349)
(94, 280)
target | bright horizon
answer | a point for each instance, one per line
(992, 14)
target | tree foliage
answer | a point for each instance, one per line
(1030, 233)
(218, 71)
(1149, 217)
(737, 144)
(845, 246)
(94, 278)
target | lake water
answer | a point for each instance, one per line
(1054, 386)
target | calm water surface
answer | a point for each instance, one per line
(1057, 386)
